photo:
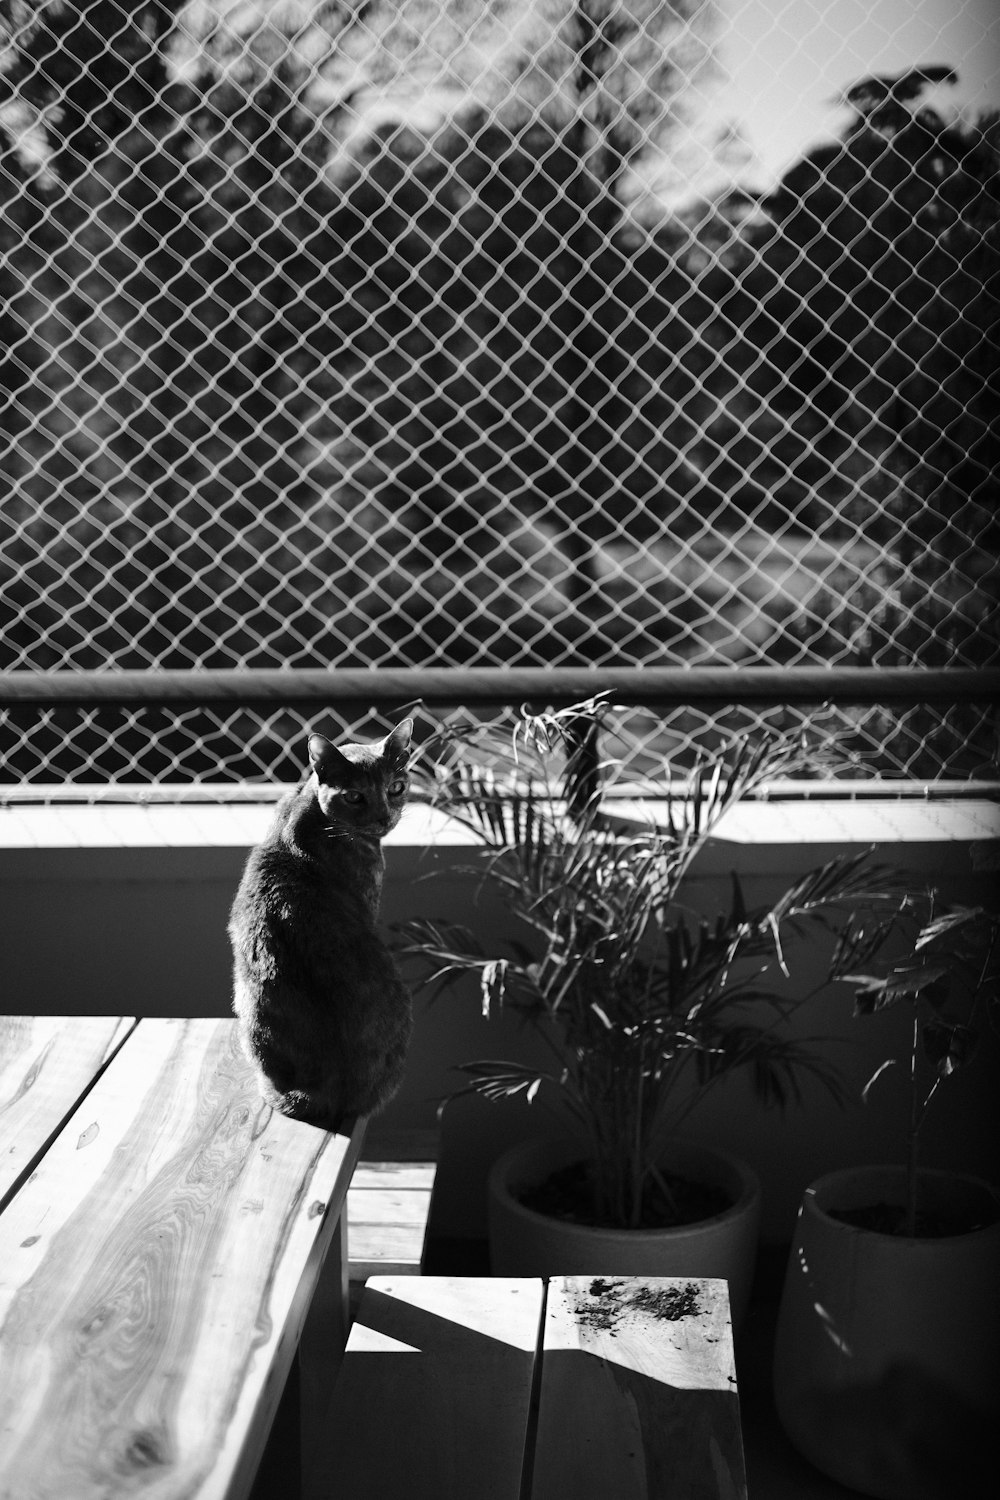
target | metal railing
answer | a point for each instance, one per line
(658, 687)
(145, 710)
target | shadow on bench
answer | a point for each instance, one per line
(466, 1388)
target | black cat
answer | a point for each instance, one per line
(324, 1015)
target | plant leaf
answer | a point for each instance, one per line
(502, 1080)
(906, 981)
(947, 1047)
(492, 984)
(890, 1062)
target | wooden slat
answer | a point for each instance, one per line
(638, 1392)
(389, 1205)
(434, 1393)
(155, 1274)
(394, 1176)
(388, 1211)
(46, 1064)
(383, 1250)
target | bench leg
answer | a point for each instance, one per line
(321, 1347)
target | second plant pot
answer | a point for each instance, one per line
(887, 1346)
(524, 1242)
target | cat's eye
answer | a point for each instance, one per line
(397, 788)
(355, 799)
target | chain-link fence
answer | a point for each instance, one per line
(440, 333)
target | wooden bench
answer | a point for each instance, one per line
(170, 1251)
(602, 1388)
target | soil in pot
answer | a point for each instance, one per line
(669, 1200)
(934, 1223)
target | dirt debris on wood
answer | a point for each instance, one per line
(607, 1301)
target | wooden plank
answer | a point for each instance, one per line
(406, 1211)
(638, 1392)
(433, 1397)
(388, 1209)
(394, 1176)
(378, 1243)
(46, 1064)
(155, 1274)
(391, 1257)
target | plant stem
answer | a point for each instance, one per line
(916, 1114)
(638, 1166)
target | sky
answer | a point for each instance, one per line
(789, 60)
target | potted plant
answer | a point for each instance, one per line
(889, 1326)
(632, 993)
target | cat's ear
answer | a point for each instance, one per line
(325, 758)
(397, 743)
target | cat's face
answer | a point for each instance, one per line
(362, 788)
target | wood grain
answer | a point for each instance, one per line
(638, 1392)
(155, 1274)
(433, 1398)
(46, 1064)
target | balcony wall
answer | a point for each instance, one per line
(109, 910)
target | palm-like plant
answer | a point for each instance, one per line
(631, 991)
(948, 972)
